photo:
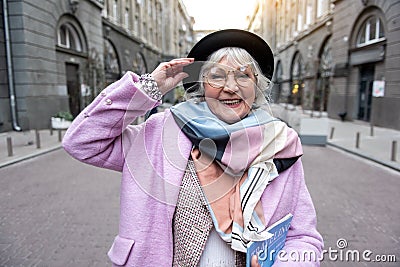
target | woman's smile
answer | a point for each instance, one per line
(232, 103)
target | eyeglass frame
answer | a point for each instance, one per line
(227, 72)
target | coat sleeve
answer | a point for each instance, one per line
(304, 244)
(95, 136)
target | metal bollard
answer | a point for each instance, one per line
(59, 135)
(51, 131)
(332, 131)
(372, 130)
(358, 140)
(9, 147)
(37, 134)
(394, 151)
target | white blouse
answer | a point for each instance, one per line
(216, 252)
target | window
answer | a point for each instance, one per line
(110, 59)
(277, 86)
(139, 64)
(297, 86)
(326, 61)
(115, 10)
(321, 95)
(104, 12)
(127, 17)
(149, 8)
(299, 22)
(68, 37)
(370, 32)
(297, 67)
(309, 17)
(322, 7)
(144, 30)
(136, 24)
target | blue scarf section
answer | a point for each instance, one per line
(209, 133)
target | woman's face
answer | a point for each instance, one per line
(230, 101)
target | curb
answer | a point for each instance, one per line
(386, 164)
(32, 155)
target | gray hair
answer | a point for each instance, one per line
(240, 57)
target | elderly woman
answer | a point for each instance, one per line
(202, 179)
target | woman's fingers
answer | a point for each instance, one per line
(179, 63)
(254, 261)
(169, 74)
(175, 66)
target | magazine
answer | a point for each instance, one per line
(267, 250)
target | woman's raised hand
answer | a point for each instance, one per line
(169, 74)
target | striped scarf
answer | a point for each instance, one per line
(234, 164)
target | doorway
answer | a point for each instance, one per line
(365, 92)
(73, 87)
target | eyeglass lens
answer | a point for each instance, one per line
(217, 77)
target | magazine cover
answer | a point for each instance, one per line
(267, 250)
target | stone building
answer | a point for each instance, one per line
(57, 55)
(337, 56)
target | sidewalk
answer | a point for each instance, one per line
(24, 145)
(376, 147)
(339, 134)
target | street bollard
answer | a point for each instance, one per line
(9, 147)
(372, 130)
(332, 131)
(358, 140)
(37, 134)
(394, 151)
(59, 135)
(51, 131)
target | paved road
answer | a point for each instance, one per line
(56, 211)
(356, 200)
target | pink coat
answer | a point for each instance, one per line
(152, 158)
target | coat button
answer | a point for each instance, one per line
(103, 93)
(108, 101)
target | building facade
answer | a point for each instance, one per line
(337, 56)
(57, 55)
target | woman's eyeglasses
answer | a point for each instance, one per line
(217, 77)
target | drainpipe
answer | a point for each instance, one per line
(10, 72)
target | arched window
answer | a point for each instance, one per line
(321, 95)
(326, 60)
(111, 63)
(69, 38)
(297, 73)
(277, 85)
(139, 64)
(370, 32)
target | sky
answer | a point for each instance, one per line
(219, 14)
